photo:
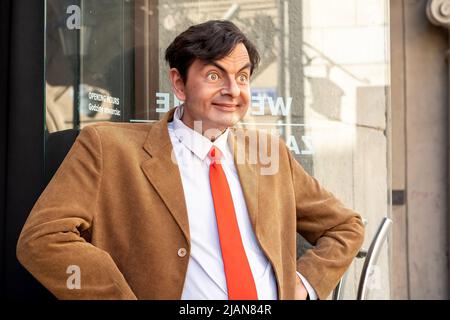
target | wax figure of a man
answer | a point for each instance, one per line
(189, 207)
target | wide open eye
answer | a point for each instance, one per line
(243, 78)
(212, 76)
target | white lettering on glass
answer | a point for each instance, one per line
(258, 102)
(164, 100)
(279, 105)
(307, 140)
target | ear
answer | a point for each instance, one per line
(177, 84)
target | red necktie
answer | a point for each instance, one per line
(240, 283)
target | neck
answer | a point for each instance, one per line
(209, 132)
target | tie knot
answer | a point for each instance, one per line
(215, 154)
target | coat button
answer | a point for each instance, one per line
(182, 252)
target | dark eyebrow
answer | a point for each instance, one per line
(218, 66)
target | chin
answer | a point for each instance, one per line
(228, 123)
(230, 119)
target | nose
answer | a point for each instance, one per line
(231, 88)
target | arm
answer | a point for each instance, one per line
(336, 232)
(54, 235)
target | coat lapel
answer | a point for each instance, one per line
(247, 169)
(163, 173)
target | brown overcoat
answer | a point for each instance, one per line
(115, 208)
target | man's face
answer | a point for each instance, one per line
(217, 92)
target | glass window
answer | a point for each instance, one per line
(323, 83)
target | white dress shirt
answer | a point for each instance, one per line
(205, 278)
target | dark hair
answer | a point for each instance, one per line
(208, 41)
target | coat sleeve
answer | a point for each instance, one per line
(52, 245)
(336, 231)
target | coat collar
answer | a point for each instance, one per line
(195, 142)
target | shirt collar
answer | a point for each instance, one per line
(196, 142)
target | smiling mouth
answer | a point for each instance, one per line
(226, 106)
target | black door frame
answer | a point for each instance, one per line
(21, 136)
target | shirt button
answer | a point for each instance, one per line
(182, 252)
